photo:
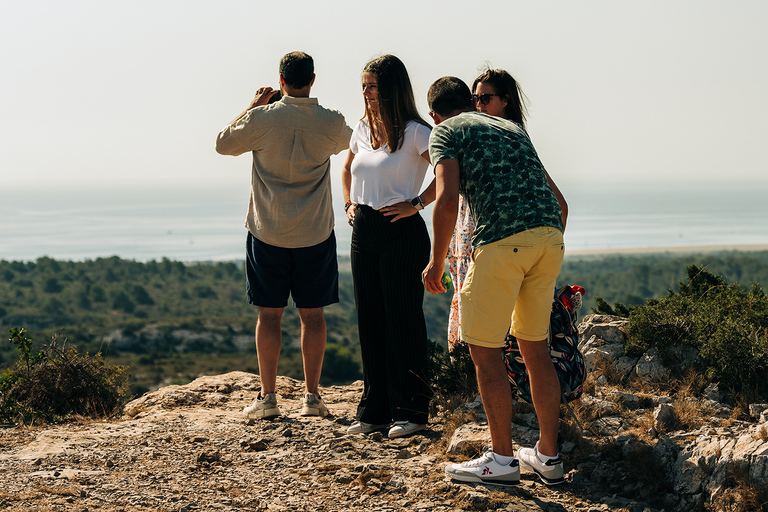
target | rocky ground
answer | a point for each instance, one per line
(188, 448)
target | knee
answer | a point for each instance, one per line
(312, 319)
(483, 357)
(270, 316)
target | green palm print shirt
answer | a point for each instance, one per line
(500, 175)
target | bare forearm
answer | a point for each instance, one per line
(443, 223)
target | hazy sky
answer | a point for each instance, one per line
(133, 93)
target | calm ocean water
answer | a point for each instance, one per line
(194, 225)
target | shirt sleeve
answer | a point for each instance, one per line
(421, 137)
(357, 133)
(441, 146)
(345, 135)
(240, 136)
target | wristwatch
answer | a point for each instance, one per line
(418, 203)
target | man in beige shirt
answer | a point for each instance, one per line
(291, 247)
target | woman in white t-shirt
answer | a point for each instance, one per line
(386, 164)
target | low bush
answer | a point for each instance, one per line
(727, 324)
(55, 383)
(451, 377)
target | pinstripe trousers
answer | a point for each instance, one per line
(387, 260)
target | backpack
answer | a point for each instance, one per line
(563, 344)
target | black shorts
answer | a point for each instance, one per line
(309, 274)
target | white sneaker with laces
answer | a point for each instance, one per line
(313, 405)
(263, 408)
(361, 427)
(550, 472)
(485, 470)
(405, 428)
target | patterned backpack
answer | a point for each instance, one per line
(563, 348)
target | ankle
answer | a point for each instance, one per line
(544, 457)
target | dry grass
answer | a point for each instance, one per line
(452, 422)
(604, 367)
(741, 493)
(639, 425)
(689, 414)
(762, 434)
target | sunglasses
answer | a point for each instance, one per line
(483, 98)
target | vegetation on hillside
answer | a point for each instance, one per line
(633, 279)
(56, 383)
(160, 317)
(727, 324)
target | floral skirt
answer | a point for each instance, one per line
(459, 255)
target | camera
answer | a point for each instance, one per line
(275, 97)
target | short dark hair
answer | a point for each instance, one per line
(297, 69)
(449, 94)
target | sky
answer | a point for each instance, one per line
(101, 94)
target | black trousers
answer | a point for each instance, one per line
(387, 260)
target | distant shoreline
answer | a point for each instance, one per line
(692, 249)
(630, 251)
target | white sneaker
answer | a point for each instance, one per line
(263, 408)
(361, 427)
(313, 405)
(550, 472)
(405, 428)
(485, 470)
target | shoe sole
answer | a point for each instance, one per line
(478, 480)
(405, 434)
(263, 414)
(544, 479)
(312, 411)
(374, 428)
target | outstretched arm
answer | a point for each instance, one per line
(443, 222)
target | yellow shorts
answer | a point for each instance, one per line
(512, 277)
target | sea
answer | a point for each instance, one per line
(206, 224)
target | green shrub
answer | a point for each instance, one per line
(726, 323)
(56, 383)
(618, 309)
(451, 377)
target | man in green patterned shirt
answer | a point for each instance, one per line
(517, 252)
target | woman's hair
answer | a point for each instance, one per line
(396, 103)
(506, 86)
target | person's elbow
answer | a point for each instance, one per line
(225, 145)
(447, 206)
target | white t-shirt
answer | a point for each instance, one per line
(381, 178)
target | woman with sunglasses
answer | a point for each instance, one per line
(385, 167)
(496, 93)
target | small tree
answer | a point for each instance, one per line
(56, 382)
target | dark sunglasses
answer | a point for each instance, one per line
(483, 98)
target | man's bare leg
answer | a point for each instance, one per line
(496, 395)
(313, 339)
(268, 343)
(545, 392)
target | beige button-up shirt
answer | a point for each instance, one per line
(292, 141)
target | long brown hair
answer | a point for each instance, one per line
(396, 103)
(505, 85)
